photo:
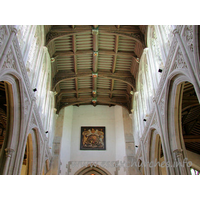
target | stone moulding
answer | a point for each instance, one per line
(161, 88)
(28, 90)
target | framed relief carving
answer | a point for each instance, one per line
(93, 138)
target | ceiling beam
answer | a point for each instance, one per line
(81, 91)
(115, 56)
(114, 63)
(99, 98)
(90, 52)
(81, 73)
(120, 76)
(111, 88)
(89, 102)
(66, 29)
(191, 138)
(95, 58)
(75, 63)
(132, 32)
(74, 52)
(84, 90)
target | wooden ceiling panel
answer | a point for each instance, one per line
(85, 82)
(103, 83)
(120, 85)
(123, 64)
(105, 62)
(65, 63)
(84, 41)
(69, 84)
(126, 44)
(84, 62)
(63, 44)
(106, 42)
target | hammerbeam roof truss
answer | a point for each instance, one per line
(95, 65)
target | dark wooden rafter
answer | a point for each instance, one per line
(88, 101)
(81, 91)
(75, 62)
(114, 63)
(132, 33)
(85, 98)
(191, 138)
(90, 52)
(95, 59)
(120, 76)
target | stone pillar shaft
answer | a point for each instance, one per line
(9, 152)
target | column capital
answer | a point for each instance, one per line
(9, 152)
(178, 152)
(45, 48)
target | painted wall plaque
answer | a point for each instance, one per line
(93, 138)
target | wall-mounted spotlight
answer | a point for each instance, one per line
(144, 120)
(35, 89)
(131, 92)
(160, 70)
(136, 146)
(46, 131)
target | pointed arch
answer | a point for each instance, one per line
(91, 169)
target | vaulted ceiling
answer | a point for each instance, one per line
(96, 64)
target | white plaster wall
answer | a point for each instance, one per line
(120, 139)
(93, 116)
(66, 139)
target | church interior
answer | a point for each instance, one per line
(99, 99)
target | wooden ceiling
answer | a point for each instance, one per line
(3, 111)
(191, 119)
(96, 64)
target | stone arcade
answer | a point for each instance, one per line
(142, 83)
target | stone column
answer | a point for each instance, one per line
(43, 157)
(5, 52)
(146, 167)
(9, 153)
(165, 143)
(20, 155)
